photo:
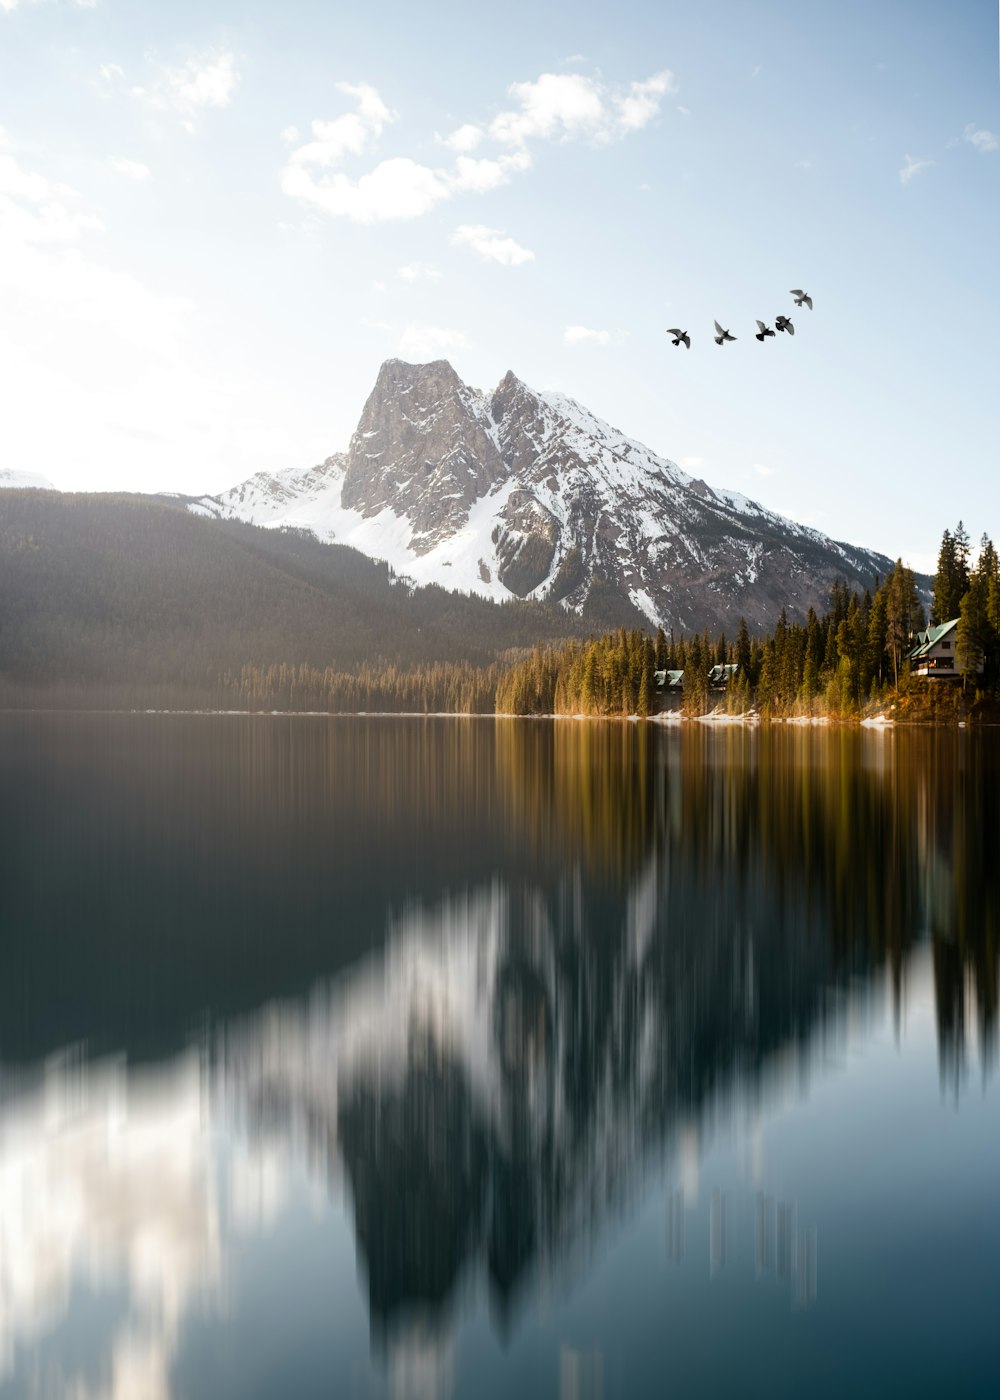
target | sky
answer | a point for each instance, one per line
(217, 219)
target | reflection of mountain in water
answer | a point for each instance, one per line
(648, 939)
(498, 1083)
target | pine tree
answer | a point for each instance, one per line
(972, 637)
(742, 655)
(661, 650)
(903, 615)
(951, 581)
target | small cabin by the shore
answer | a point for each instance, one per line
(933, 658)
(721, 676)
(718, 678)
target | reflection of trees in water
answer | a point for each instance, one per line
(958, 831)
(784, 872)
(680, 915)
(878, 839)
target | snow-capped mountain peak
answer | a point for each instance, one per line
(531, 495)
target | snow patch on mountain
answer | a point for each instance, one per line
(531, 495)
(17, 480)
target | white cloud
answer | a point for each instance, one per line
(492, 245)
(911, 167)
(556, 106)
(351, 134)
(684, 111)
(417, 272)
(49, 282)
(641, 103)
(763, 470)
(561, 106)
(8, 5)
(982, 139)
(479, 176)
(80, 333)
(429, 342)
(131, 169)
(395, 189)
(291, 135)
(583, 335)
(465, 139)
(399, 188)
(35, 211)
(207, 80)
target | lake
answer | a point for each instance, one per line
(445, 1057)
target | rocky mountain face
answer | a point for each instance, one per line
(526, 494)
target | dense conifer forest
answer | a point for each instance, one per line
(124, 601)
(850, 661)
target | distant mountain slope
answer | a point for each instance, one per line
(127, 589)
(530, 495)
(18, 480)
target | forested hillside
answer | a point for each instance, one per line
(131, 601)
(124, 599)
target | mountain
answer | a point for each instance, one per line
(530, 495)
(125, 599)
(21, 480)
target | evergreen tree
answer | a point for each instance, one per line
(878, 650)
(742, 655)
(903, 615)
(813, 659)
(951, 580)
(972, 637)
(662, 651)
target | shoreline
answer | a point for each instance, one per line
(665, 719)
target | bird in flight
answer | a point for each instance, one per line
(784, 324)
(763, 331)
(801, 296)
(721, 335)
(680, 336)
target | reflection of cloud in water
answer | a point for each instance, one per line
(493, 1088)
(104, 1181)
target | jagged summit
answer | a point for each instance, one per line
(423, 449)
(528, 494)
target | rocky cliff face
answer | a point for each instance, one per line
(422, 449)
(526, 494)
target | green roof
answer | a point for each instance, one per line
(930, 637)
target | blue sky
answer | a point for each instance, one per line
(217, 219)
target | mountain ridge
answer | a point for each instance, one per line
(527, 494)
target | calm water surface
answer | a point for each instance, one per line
(443, 1058)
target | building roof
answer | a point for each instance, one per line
(930, 637)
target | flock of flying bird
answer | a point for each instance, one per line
(762, 332)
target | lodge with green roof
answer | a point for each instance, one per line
(934, 656)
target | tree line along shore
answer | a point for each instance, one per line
(847, 662)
